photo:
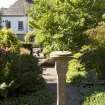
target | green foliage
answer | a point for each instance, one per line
(29, 73)
(42, 97)
(30, 36)
(93, 96)
(97, 36)
(94, 58)
(27, 45)
(60, 24)
(19, 74)
(76, 72)
(8, 39)
(87, 65)
(82, 67)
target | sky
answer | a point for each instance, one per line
(6, 3)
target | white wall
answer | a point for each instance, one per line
(14, 23)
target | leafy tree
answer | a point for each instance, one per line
(60, 24)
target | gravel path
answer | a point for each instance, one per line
(50, 75)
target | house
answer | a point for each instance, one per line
(15, 17)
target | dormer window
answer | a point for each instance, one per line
(20, 26)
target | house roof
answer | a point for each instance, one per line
(17, 9)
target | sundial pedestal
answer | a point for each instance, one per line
(61, 61)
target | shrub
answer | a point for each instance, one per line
(42, 97)
(8, 39)
(91, 58)
(30, 37)
(97, 36)
(29, 71)
(76, 70)
(27, 45)
(79, 70)
(94, 58)
(93, 96)
(19, 74)
(76, 73)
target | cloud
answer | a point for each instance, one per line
(6, 3)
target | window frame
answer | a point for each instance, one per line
(8, 24)
(20, 25)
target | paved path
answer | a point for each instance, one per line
(50, 75)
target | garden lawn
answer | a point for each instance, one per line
(94, 95)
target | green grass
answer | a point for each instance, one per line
(94, 95)
(43, 97)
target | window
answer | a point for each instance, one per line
(8, 24)
(20, 25)
(0, 25)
